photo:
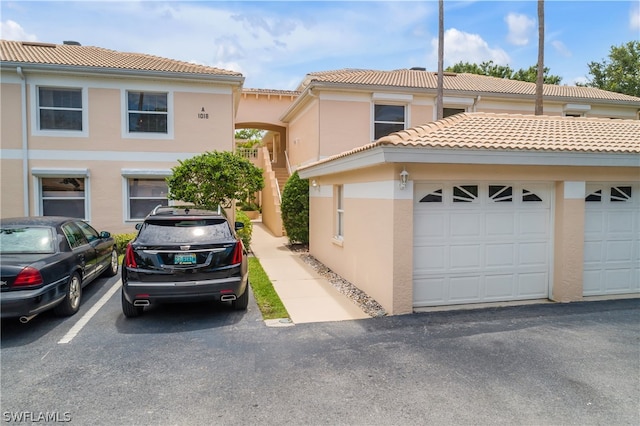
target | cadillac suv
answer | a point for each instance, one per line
(184, 255)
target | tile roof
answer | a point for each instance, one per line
(271, 92)
(463, 83)
(22, 52)
(514, 132)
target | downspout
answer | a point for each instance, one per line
(25, 144)
(475, 103)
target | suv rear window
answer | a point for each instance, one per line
(184, 231)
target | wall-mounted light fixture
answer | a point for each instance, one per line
(314, 184)
(404, 175)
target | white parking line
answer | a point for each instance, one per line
(90, 313)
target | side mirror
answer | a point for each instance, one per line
(239, 226)
(105, 234)
(138, 226)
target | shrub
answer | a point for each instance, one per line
(295, 209)
(122, 240)
(244, 233)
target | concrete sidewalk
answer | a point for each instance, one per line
(307, 296)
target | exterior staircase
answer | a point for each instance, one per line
(282, 175)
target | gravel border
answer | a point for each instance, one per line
(359, 297)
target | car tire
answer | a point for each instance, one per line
(112, 269)
(129, 310)
(241, 303)
(71, 302)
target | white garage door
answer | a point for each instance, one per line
(612, 239)
(481, 242)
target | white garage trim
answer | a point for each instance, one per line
(612, 239)
(480, 242)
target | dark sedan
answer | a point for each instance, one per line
(46, 261)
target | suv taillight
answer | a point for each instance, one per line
(28, 277)
(237, 253)
(129, 258)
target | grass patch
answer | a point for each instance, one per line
(266, 297)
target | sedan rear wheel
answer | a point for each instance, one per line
(71, 302)
(112, 269)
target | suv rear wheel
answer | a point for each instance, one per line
(241, 303)
(129, 310)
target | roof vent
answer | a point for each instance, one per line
(418, 69)
(71, 43)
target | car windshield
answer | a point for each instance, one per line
(26, 240)
(184, 231)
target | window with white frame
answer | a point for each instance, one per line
(63, 196)
(147, 112)
(387, 119)
(144, 194)
(59, 108)
(339, 202)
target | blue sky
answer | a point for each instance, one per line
(274, 44)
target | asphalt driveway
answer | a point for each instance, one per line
(532, 365)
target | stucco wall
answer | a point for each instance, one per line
(344, 125)
(376, 253)
(304, 136)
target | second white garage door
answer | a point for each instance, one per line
(481, 242)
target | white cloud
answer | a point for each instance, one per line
(561, 48)
(465, 47)
(520, 28)
(634, 18)
(10, 30)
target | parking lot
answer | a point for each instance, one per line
(207, 364)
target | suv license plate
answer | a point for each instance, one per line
(184, 259)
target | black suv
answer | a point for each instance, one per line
(183, 255)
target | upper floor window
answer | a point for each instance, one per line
(59, 108)
(388, 119)
(147, 112)
(448, 112)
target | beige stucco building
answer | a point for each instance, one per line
(92, 133)
(491, 204)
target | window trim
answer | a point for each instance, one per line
(338, 229)
(138, 174)
(39, 173)
(34, 90)
(125, 114)
(376, 102)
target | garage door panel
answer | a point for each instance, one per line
(464, 289)
(493, 248)
(618, 281)
(465, 257)
(620, 222)
(500, 255)
(536, 223)
(499, 287)
(532, 285)
(430, 291)
(465, 225)
(500, 225)
(619, 251)
(430, 259)
(612, 239)
(533, 254)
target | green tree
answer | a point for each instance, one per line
(214, 179)
(504, 71)
(295, 209)
(251, 137)
(620, 73)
